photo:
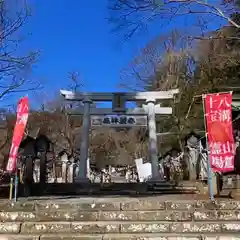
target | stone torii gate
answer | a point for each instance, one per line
(120, 116)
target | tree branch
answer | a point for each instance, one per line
(134, 14)
(12, 65)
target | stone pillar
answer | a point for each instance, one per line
(153, 155)
(43, 170)
(70, 172)
(64, 172)
(88, 168)
(192, 163)
(28, 175)
(64, 162)
(82, 173)
(75, 171)
(36, 170)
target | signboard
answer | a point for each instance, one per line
(144, 170)
(21, 122)
(218, 115)
(118, 121)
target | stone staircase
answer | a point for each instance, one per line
(169, 217)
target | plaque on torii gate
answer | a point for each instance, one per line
(119, 116)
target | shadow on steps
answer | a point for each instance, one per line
(95, 189)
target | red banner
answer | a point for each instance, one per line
(21, 122)
(218, 115)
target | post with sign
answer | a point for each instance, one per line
(218, 124)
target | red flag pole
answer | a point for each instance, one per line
(21, 122)
(218, 126)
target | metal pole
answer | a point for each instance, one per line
(16, 185)
(11, 188)
(82, 173)
(153, 153)
(209, 169)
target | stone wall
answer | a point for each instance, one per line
(123, 220)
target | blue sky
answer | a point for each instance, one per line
(75, 36)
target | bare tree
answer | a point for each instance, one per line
(132, 15)
(161, 59)
(193, 66)
(113, 147)
(76, 84)
(14, 67)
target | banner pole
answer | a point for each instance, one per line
(11, 188)
(209, 169)
(16, 185)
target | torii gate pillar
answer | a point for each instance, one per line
(153, 155)
(82, 173)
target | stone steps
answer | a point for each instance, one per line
(123, 216)
(170, 217)
(121, 237)
(120, 227)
